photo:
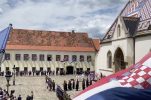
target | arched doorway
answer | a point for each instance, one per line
(119, 60)
(69, 70)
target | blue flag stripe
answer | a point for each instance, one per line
(123, 93)
(4, 34)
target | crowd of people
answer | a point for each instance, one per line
(50, 83)
(72, 84)
(43, 73)
(4, 95)
(31, 73)
(83, 81)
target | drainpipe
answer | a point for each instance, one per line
(133, 50)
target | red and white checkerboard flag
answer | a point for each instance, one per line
(136, 76)
(140, 78)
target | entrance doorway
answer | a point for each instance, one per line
(81, 70)
(33, 69)
(61, 71)
(48, 69)
(25, 69)
(69, 70)
(77, 70)
(41, 69)
(57, 71)
(17, 69)
(119, 60)
(7, 69)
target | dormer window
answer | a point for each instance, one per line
(118, 31)
(109, 36)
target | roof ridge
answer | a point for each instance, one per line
(48, 31)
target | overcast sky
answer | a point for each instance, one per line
(91, 16)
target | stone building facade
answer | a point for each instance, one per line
(36, 50)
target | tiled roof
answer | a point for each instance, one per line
(49, 48)
(141, 11)
(49, 40)
(96, 43)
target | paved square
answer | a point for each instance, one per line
(24, 86)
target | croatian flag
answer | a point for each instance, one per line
(4, 34)
(133, 83)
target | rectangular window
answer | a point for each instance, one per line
(26, 69)
(26, 57)
(81, 58)
(49, 57)
(66, 58)
(7, 69)
(89, 58)
(58, 57)
(74, 58)
(34, 57)
(17, 57)
(41, 57)
(7, 56)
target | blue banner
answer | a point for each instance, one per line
(4, 34)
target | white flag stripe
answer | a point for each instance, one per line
(98, 89)
(147, 63)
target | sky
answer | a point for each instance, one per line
(91, 16)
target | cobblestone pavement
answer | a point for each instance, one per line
(24, 86)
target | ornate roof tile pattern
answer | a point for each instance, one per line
(50, 40)
(135, 8)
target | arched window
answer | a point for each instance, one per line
(118, 31)
(109, 59)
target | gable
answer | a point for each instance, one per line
(134, 8)
(120, 29)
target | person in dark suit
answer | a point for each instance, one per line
(69, 85)
(65, 86)
(1, 91)
(32, 95)
(77, 85)
(83, 84)
(87, 82)
(73, 84)
(53, 85)
(28, 97)
(19, 98)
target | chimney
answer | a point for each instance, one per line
(73, 31)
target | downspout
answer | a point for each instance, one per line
(134, 36)
(134, 50)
